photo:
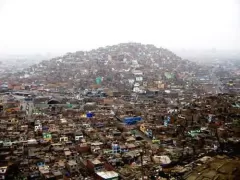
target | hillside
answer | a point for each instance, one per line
(117, 65)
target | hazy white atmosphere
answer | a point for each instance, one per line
(58, 26)
(119, 89)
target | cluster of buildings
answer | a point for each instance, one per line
(130, 66)
(115, 136)
(128, 111)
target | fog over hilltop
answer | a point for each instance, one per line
(84, 25)
(208, 55)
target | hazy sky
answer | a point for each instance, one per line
(39, 26)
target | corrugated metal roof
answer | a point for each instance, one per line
(107, 174)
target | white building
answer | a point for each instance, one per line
(137, 72)
(139, 78)
(108, 175)
(3, 171)
(72, 166)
